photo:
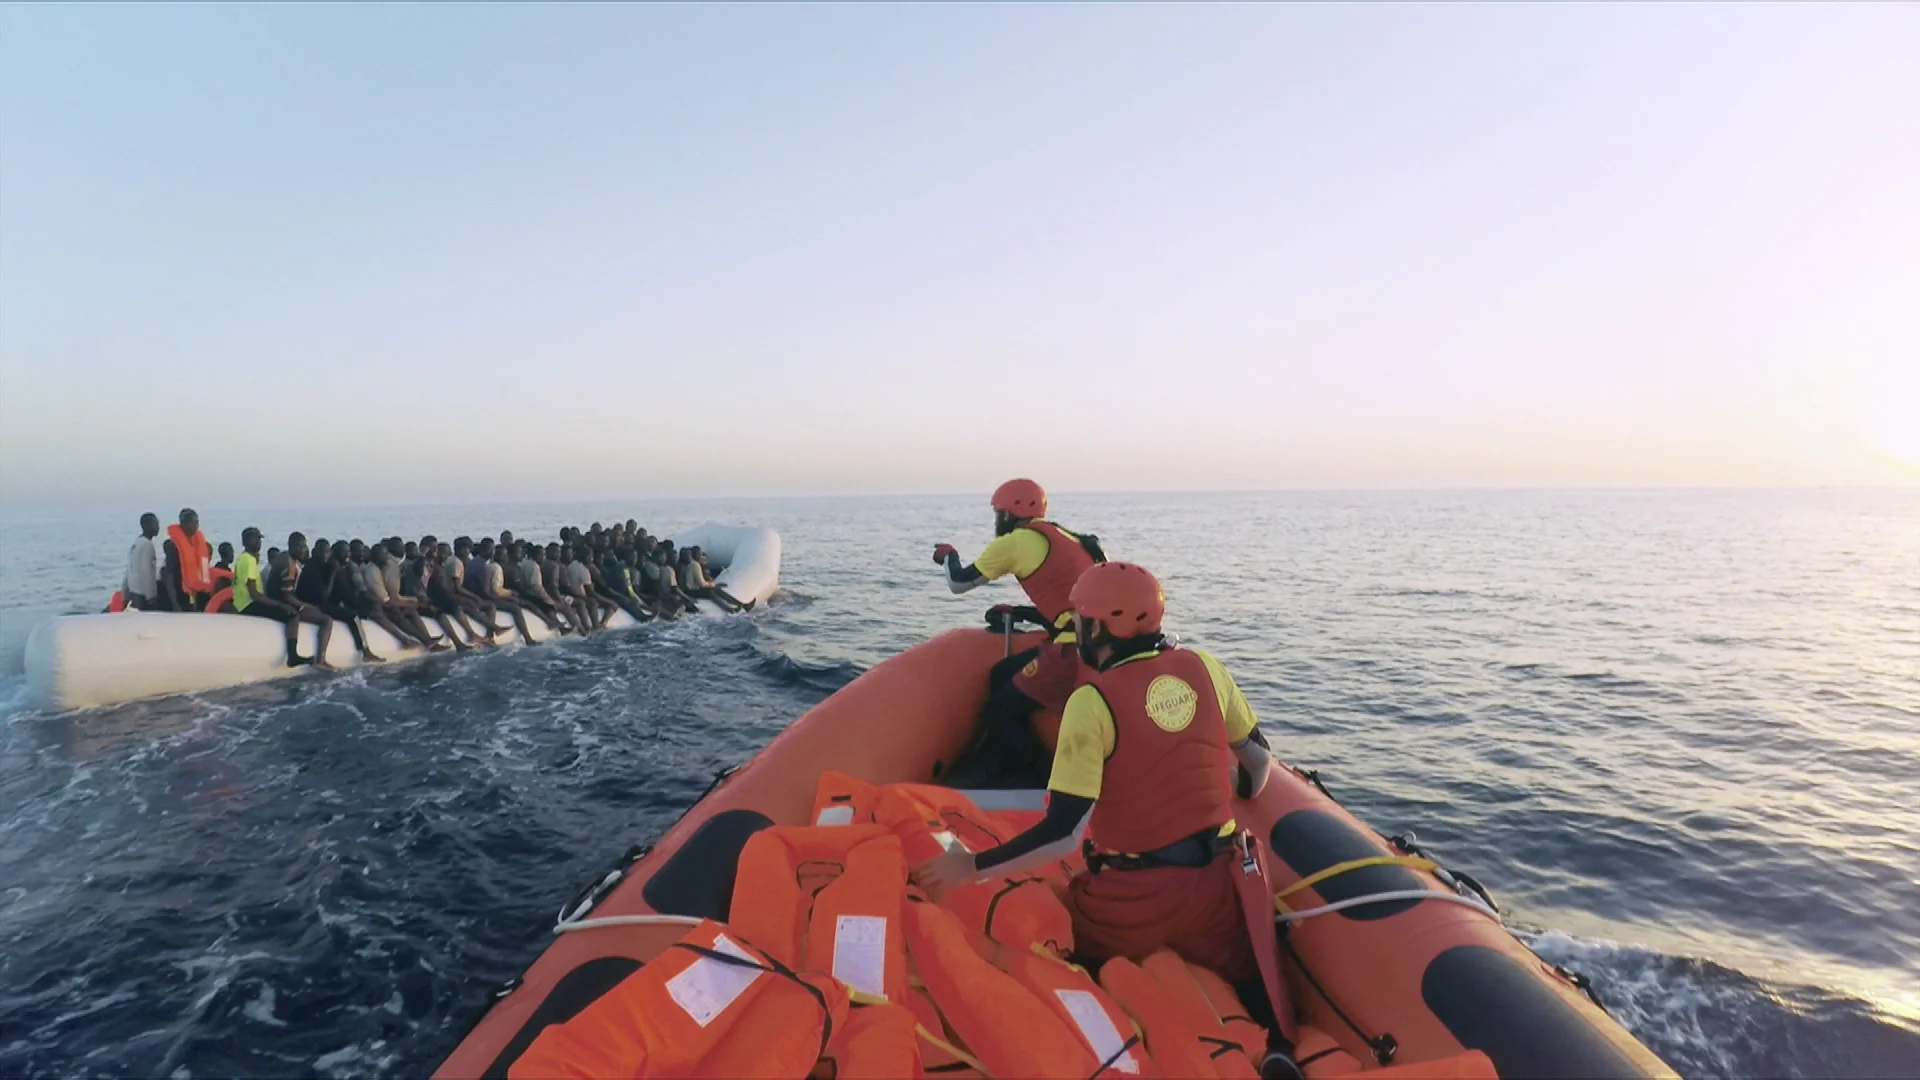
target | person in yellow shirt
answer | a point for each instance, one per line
(1046, 559)
(249, 598)
(1147, 759)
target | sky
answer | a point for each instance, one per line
(309, 254)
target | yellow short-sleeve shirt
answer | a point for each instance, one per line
(1019, 553)
(1087, 735)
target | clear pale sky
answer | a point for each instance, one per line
(376, 253)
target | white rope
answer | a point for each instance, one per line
(1386, 897)
(626, 920)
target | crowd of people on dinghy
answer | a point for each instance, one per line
(573, 584)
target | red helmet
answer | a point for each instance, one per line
(1021, 498)
(1124, 597)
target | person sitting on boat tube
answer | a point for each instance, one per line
(249, 598)
(1046, 559)
(1146, 756)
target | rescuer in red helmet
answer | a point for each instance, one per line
(1046, 559)
(1147, 755)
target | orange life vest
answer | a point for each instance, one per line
(681, 1015)
(1019, 911)
(878, 1042)
(221, 576)
(1182, 1034)
(840, 799)
(1169, 777)
(195, 559)
(1066, 560)
(827, 900)
(1106, 1031)
(1000, 1020)
(1219, 1001)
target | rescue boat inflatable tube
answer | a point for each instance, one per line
(85, 661)
(1388, 963)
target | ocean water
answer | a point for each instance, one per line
(1677, 733)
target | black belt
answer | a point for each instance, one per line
(1194, 852)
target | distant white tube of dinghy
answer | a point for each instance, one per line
(751, 557)
(16, 626)
(84, 661)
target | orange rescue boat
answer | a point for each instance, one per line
(1391, 962)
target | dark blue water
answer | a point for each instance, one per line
(1677, 733)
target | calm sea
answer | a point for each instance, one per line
(1677, 733)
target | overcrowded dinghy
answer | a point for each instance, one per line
(773, 931)
(82, 661)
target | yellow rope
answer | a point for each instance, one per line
(861, 997)
(939, 1043)
(1412, 861)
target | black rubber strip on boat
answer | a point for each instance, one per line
(1492, 1003)
(697, 879)
(575, 991)
(1309, 841)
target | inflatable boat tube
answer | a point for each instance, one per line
(751, 557)
(1387, 964)
(16, 626)
(84, 661)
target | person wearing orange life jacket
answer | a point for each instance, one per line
(186, 575)
(1046, 559)
(1146, 757)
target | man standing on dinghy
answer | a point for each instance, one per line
(1146, 755)
(141, 585)
(186, 574)
(1046, 559)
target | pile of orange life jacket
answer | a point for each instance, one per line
(832, 965)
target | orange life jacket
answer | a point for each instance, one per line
(1219, 1001)
(1049, 586)
(195, 559)
(221, 575)
(932, 1058)
(840, 799)
(1017, 911)
(878, 1042)
(1103, 1027)
(1169, 777)
(827, 900)
(682, 1015)
(1001, 1022)
(1181, 1031)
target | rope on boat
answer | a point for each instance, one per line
(1285, 916)
(568, 925)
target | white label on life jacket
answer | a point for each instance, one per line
(706, 989)
(835, 815)
(1097, 1028)
(949, 841)
(860, 952)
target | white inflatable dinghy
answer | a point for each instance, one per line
(83, 661)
